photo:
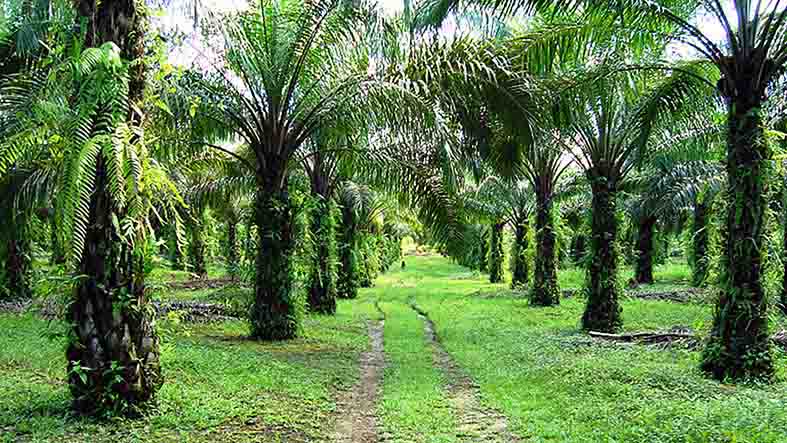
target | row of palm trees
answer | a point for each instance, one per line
(597, 84)
(293, 85)
(325, 86)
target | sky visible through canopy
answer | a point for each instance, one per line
(194, 51)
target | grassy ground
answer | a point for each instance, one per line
(671, 275)
(219, 386)
(531, 364)
(413, 406)
(554, 385)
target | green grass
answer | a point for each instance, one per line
(532, 364)
(164, 273)
(537, 368)
(413, 406)
(219, 386)
(671, 275)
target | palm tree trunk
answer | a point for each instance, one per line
(274, 315)
(348, 273)
(16, 272)
(18, 268)
(545, 289)
(739, 345)
(197, 246)
(322, 290)
(496, 253)
(578, 248)
(520, 278)
(113, 357)
(483, 251)
(644, 271)
(232, 247)
(783, 299)
(700, 261)
(602, 312)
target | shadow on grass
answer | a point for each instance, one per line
(301, 351)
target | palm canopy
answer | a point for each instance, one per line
(498, 199)
(754, 30)
(77, 114)
(289, 70)
(612, 114)
(685, 164)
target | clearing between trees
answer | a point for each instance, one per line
(475, 368)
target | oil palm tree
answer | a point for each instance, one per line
(101, 166)
(323, 167)
(113, 350)
(610, 135)
(231, 210)
(329, 160)
(514, 122)
(297, 68)
(543, 164)
(499, 202)
(196, 233)
(15, 248)
(681, 175)
(15, 174)
(358, 207)
(25, 29)
(749, 60)
(776, 121)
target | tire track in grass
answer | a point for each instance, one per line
(357, 421)
(413, 407)
(475, 423)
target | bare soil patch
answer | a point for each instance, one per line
(356, 420)
(476, 423)
(677, 335)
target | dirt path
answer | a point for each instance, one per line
(476, 423)
(357, 420)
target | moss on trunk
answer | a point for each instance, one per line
(274, 314)
(496, 253)
(699, 258)
(233, 252)
(645, 231)
(483, 251)
(546, 291)
(348, 274)
(521, 273)
(196, 249)
(602, 312)
(322, 281)
(113, 355)
(739, 345)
